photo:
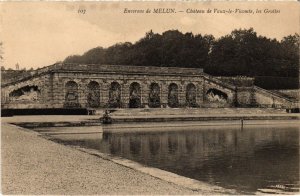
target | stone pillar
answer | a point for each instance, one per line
(82, 91)
(245, 97)
(145, 90)
(200, 93)
(204, 89)
(104, 93)
(43, 86)
(61, 91)
(49, 92)
(164, 90)
(181, 94)
(125, 94)
(58, 91)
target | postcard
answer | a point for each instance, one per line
(168, 98)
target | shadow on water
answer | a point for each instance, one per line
(247, 160)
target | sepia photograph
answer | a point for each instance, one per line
(150, 98)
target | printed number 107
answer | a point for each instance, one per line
(81, 11)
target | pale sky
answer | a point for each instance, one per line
(37, 34)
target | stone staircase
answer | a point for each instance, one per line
(286, 95)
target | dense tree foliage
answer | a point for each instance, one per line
(274, 64)
(171, 49)
(242, 52)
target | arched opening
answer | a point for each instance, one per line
(191, 94)
(93, 95)
(114, 95)
(135, 95)
(173, 95)
(71, 97)
(154, 96)
(26, 93)
(215, 95)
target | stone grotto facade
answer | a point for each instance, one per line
(113, 86)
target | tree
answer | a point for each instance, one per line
(147, 51)
(244, 53)
(118, 54)
(94, 56)
(73, 59)
(172, 48)
(290, 55)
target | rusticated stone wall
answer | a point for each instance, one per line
(128, 86)
(245, 97)
(33, 93)
(72, 89)
(105, 81)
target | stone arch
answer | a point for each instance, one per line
(25, 93)
(71, 95)
(135, 95)
(114, 95)
(215, 95)
(191, 94)
(93, 95)
(154, 95)
(173, 95)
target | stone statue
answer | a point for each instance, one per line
(135, 97)
(93, 98)
(215, 97)
(106, 119)
(191, 97)
(154, 99)
(173, 97)
(114, 97)
(31, 95)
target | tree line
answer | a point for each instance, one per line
(242, 52)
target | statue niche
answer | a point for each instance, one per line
(25, 94)
(154, 96)
(71, 97)
(191, 95)
(215, 95)
(93, 96)
(114, 95)
(135, 95)
(173, 96)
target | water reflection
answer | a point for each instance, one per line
(248, 160)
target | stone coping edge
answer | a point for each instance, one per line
(170, 177)
(125, 122)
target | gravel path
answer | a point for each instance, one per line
(33, 165)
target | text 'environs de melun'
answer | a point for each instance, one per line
(200, 11)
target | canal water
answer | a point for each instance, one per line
(255, 159)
